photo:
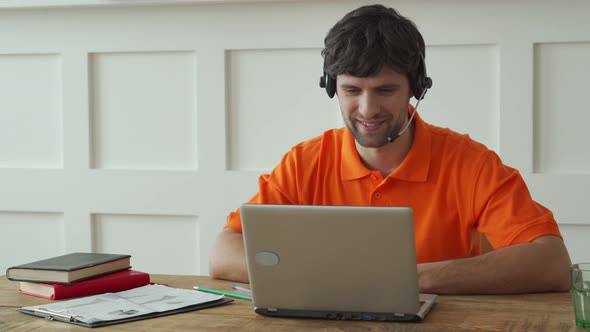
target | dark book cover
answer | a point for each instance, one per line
(69, 268)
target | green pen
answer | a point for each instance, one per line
(218, 292)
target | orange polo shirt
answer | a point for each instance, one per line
(456, 187)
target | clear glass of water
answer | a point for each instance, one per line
(581, 294)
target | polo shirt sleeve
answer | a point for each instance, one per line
(504, 209)
(275, 188)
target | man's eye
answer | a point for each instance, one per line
(351, 90)
(386, 91)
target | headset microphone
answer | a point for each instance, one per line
(393, 136)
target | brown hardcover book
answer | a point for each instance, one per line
(70, 268)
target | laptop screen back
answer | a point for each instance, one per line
(331, 258)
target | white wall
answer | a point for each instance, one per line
(138, 128)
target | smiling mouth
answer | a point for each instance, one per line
(370, 126)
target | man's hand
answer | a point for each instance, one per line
(539, 266)
(228, 259)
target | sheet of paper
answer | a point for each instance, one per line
(130, 303)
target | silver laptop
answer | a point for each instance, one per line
(335, 262)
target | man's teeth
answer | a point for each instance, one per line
(369, 124)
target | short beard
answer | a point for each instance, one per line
(373, 140)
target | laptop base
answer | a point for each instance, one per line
(338, 315)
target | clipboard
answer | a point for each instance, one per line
(51, 311)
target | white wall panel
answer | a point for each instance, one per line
(576, 239)
(274, 103)
(551, 190)
(30, 111)
(157, 243)
(464, 95)
(27, 237)
(561, 114)
(143, 110)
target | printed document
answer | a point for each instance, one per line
(126, 304)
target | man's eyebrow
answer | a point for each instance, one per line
(347, 85)
(382, 86)
(389, 86)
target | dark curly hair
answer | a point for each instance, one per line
(368, 38)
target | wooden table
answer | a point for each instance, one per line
(529, 312)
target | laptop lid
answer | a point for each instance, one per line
(344, 262)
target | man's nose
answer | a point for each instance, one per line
(367, 105)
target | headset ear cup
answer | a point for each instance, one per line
(427, 83)
(330, 86)
(422, 81)
(328, 82)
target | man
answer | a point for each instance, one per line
(388, 156)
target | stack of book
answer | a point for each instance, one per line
(77, 274)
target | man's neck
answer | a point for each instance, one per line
(387, 158)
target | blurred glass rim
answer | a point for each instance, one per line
(580, 274)
(581, 266)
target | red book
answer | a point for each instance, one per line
(113, 282)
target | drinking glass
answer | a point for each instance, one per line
(581, 293)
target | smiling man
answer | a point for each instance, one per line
(388, 156)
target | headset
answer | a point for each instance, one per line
(420, 82)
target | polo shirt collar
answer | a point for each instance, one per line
(415, 166)
(351, 166)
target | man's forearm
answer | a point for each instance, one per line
(539, 266)
(227, 259)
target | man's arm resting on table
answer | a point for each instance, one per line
(539, 266)
(228, 259)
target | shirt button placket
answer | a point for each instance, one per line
(375, 195)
